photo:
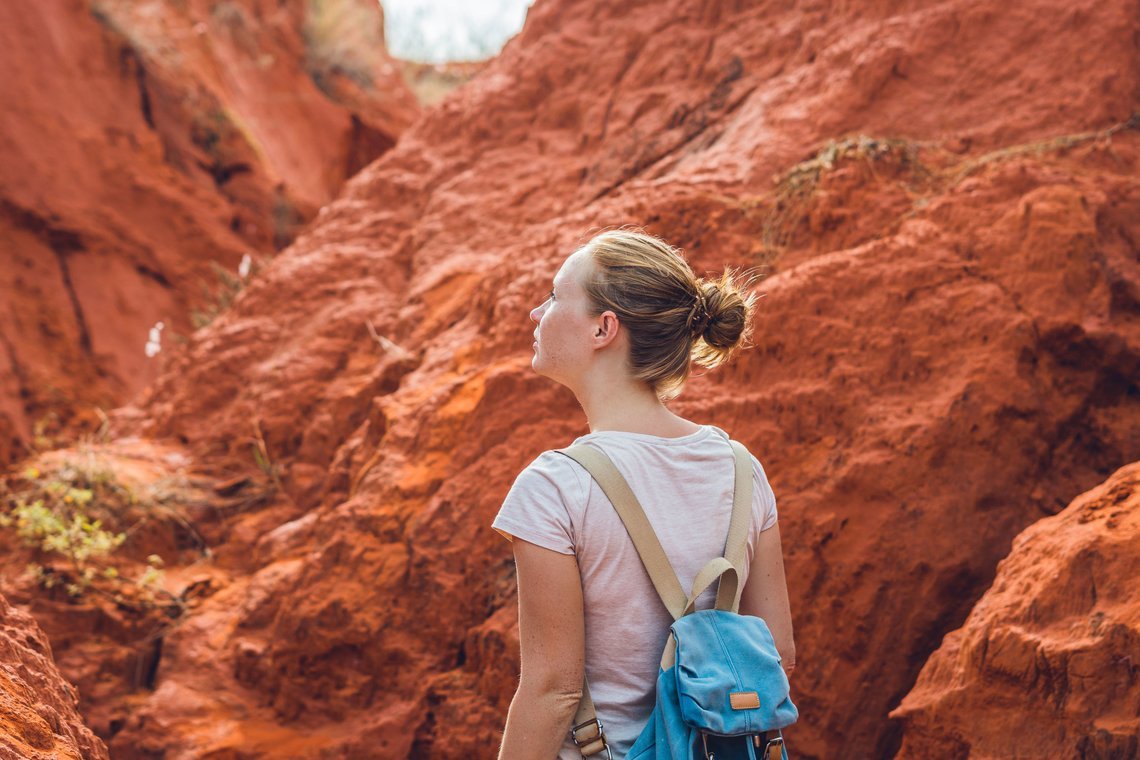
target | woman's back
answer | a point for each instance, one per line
(685, 486)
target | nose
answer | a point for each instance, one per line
(536, 313)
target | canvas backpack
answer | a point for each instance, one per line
(721, 692)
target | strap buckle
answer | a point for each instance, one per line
(773, 748)
(593, 739)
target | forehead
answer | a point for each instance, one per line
(571, 272)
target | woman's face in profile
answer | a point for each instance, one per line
(563, 346)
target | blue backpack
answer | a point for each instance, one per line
(721, 692)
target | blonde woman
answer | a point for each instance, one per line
(621, 327)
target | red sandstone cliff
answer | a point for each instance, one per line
(947, 352)
(39, 719)
(1048, 662)
(140, 143)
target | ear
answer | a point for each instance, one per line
(606, 329)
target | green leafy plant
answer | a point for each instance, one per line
(59, 515)
(75, 536)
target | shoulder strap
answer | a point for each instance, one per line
(636, 524)
(736, 545)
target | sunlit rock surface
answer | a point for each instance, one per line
(946, 352)
(39, 716)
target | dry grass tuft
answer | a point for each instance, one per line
(796, 187)
(912, 165)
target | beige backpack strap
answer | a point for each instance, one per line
(736, 546)
(587, 730)
(636, 524)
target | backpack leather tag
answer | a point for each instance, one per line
(744, 700)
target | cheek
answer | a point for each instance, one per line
(574, 339)
(557, 333)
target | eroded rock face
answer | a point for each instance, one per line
(1048, 662)
(144, 143)
(947, 350)
(39, 719)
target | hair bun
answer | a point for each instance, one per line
(726, 305)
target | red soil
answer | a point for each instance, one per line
(946, 351)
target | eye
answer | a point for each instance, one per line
(550, 296)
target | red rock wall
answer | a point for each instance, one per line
(40, 718)
(141, 142)
(947, 351)
(1048, 662)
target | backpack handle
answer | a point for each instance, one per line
(720, 569)
(717, 568)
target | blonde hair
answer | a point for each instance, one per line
(673, 317)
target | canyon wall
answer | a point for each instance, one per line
(946, 352)
(146, 147)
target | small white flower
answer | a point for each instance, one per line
(243, 267)
(154, 340)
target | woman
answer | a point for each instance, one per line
(625, 319)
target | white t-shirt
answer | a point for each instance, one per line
(685, 486)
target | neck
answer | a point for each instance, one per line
(613, 401)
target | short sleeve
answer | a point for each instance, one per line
(763, 500)
(542, 502)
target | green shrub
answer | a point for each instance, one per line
(57, 515)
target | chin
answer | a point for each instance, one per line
(539, 368)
